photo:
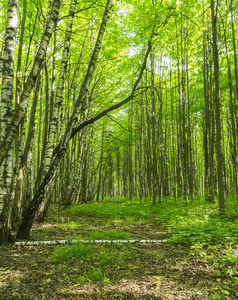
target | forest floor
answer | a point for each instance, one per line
(132, 271)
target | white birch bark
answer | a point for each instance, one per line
(59, 92)
(54, 122)
(1, 67)
(6, 111)
(17, 177)
(24, 159)
(37, 66)
(8, 65)
(70, 242)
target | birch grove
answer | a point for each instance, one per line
(103, 98)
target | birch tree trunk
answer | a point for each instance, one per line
(54, 121)
(6, 114)
(17, 177)
(24, 159)
(59, 92)
(7, 140)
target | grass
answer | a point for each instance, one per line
(108, 235)
(71, 225)
(92, 261)
(112, 210)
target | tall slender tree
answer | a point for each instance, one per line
(6, 114)
(217, 100)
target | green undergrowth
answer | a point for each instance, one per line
(113, 210)
(105, 235)
(199, 222)
(92, 262)
(203, 223)
(98, 234)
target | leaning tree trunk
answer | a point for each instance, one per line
(54, 121)
(29, 217)
(60, 150)
(59, 92)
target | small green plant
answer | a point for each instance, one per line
(235, 280)
(66, 293)
(93, 275)
(222, 290)
(157, 281)
(96, 274)
(226, 265)
(216, 296)
(196, 250)
(70, 225)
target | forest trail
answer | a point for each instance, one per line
(149, 271)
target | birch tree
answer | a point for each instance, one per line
(6, 114)
(20, 113)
